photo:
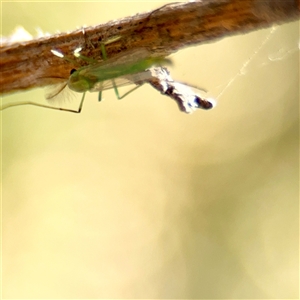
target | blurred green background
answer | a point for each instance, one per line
(135, 199)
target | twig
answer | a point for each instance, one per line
(174, 26)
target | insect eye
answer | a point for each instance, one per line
(72, 71)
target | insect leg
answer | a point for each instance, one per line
(109, 41)
(2, 107)
(103, 50)
(100, 96)
(127, 93)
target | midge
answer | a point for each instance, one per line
(121, 70)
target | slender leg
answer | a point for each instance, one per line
(2, 107)
(100, 96)
(104, 55)
(126, 94)
(103, 50)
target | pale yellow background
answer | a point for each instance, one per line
(135, 199)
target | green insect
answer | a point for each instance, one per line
(121, 70)
(126, 68)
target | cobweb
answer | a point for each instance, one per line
(261, 56)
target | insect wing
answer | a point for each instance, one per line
(136, 78)
(60, 93)
(127, 57)
(135, 61)
(53, 90)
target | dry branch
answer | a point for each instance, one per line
(165, 30)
